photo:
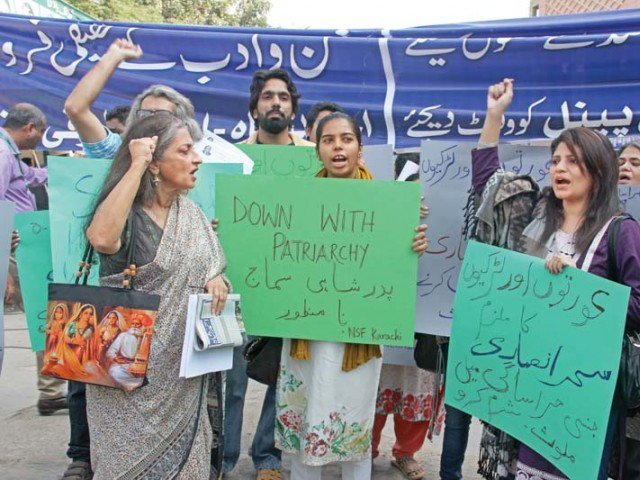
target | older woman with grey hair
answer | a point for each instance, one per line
(629, 164)
(162, 429)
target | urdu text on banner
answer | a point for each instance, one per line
(402, 86)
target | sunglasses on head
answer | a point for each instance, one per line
(144, 112)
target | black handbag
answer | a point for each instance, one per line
(100, 335)
(629, 375)
(427, 352)
(263, 359)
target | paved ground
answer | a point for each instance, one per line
(33, 447)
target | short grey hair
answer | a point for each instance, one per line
(184, 108)
(635, 145)
(23, 114)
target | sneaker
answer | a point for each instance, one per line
(78, 470)
(47, 406)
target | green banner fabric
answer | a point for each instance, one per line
(322, 259)
(74, 184)
(537, 354)
(282, 160)
(33, 256)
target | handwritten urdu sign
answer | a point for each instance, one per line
(630, 198)
(445, 175)
(282, 160)
(537, 354)
(74, 185)
(33, 256)
(322, 259)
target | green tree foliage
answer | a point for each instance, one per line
(248, 13)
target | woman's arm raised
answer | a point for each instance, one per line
(499, 98)
(111, 215)
(484, 159)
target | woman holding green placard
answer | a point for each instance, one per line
(326, 392)
(567, 224)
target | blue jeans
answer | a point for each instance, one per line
(264, 453)
(454, 443)
(79, 443)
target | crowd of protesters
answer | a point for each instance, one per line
(191, 428)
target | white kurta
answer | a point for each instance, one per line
(126, 345)
(323, 414)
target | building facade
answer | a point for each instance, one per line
(560, 7)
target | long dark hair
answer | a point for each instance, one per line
(597, 156)
(165, 127)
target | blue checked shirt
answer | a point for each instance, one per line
(105, 148)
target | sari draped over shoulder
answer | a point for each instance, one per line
(161, 430)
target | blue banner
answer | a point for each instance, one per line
(403, 86)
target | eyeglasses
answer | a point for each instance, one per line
(143, 112)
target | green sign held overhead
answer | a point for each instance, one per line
(282, 160)
(74, 185)
(537, 354)
(33, 256)
(322, 259)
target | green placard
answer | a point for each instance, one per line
(74, 184)
(282, 160)
(537, 354)
(322, 259)
(34, 269)
(204, 193)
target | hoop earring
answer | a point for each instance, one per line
(155, 179)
